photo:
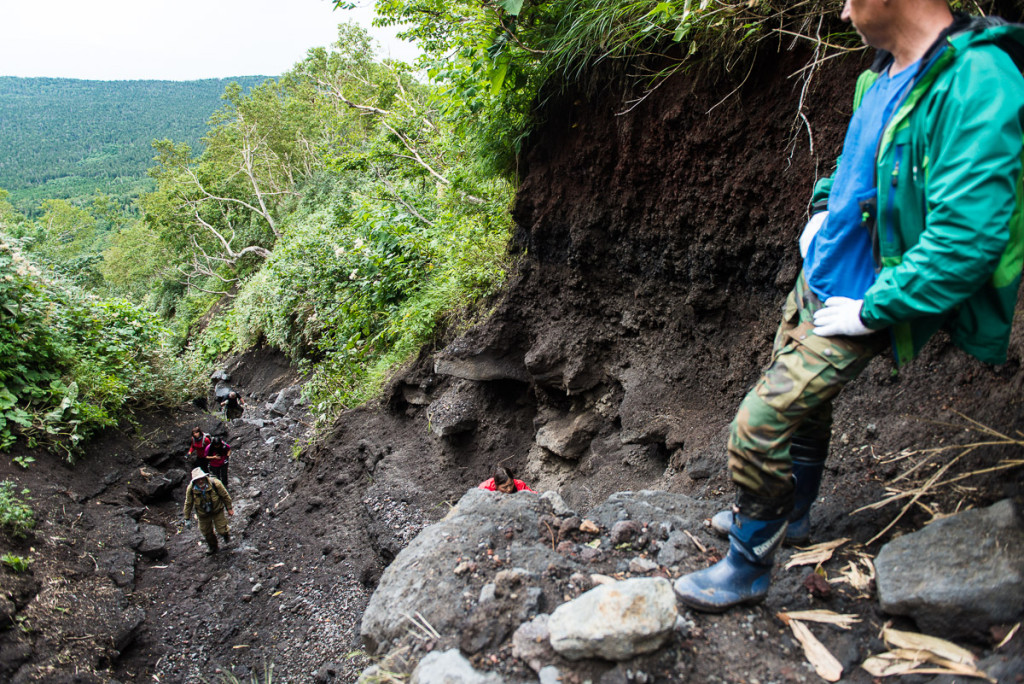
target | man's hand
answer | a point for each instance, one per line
(810, 230)
(231, 511)
(188, 523)
(841, 316)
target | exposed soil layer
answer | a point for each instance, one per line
(657, 245)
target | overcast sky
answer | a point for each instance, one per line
(172, 39)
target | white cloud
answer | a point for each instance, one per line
(173, 39)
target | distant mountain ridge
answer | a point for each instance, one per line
(65, 138)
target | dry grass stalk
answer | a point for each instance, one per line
(421, 629)
(859, 580)
(828, 617)
(904, 661)
(696, 542)
(922, 654)
(923, 642)
(933, 483)
(824, 663)
(1009, 635)
(815, 555)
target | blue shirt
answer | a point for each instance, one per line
(839, 260)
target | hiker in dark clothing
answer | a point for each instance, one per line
(234, 405)
(217, 454)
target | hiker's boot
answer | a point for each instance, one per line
(808, 467)
(226, 537)
(744, 575)
(211, 545)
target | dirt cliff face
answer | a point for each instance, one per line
(659, 241)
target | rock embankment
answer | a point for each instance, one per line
(517, 588)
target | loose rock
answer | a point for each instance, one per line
(615, 621)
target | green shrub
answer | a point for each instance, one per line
(15, 514)
(359, 285)
(15, 562)
(71, 362)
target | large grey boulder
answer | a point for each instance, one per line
(119, 565)
(957, 576)
(431, 574)
(152, 542)
(450, 668)
(150, 486)
(566, 367)
(615, 621)
(285, 400)
(440, 573)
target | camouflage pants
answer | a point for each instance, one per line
(793, 397)
(207, 523)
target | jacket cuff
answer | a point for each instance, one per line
(870, 321)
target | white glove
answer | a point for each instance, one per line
(810, 230)
(841, 316)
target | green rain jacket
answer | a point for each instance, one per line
(947, 223)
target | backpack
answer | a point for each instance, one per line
(203, 500)
(204, 441)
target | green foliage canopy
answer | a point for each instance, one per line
(499, 59)
(71, 362)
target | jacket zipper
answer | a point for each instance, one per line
(922, 70)
(890, 200)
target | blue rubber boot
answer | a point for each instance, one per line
(744, 575)
(808, 467)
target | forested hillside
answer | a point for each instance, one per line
(342, 213)
(66, 138)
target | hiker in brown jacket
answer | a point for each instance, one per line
(209, 498)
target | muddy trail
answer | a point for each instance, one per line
(656, 246)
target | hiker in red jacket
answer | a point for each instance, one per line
(197, 447)
(504, 482)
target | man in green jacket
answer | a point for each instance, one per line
(919, 228)
(209, 498)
